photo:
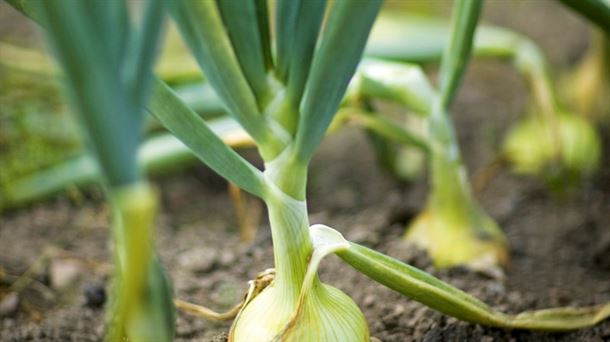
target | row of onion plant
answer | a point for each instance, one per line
(285, 101)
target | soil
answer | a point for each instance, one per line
(560, 247)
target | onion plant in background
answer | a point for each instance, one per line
(452, 213)
(107, 68)
(565, 147)
(285, 101)
(549, 141)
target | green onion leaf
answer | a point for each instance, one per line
(307, 27)
(201, 26)
(455, 58)
(142, 51)
(286, 13)
(240, 19)
(112, 21)
(263, 29)
(96, 90)
(190, 128)
(430, 291)
(333, 66)
(405, 84)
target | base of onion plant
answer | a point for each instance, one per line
(288, 308)
(564, 151)
(453, 228)
(141, 287)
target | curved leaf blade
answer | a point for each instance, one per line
(193, 131)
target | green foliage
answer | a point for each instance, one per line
(333, 65)
(239, 19)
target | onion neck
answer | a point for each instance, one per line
(451, 190)
(289, 222)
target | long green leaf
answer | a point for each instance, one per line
(157, 154)
(286, 14)
(241, 21)
(28, 9)
(187, 126)
(405, 84)
(112, 21)
(388, 129)
(142, 50)
(201, 26)
(455, 58)
(96, 90)
(415, 38)
(428, 290)
(308, 22)
(333, 66)
(421, 39)
(263, 29)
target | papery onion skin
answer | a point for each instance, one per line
(326, 314)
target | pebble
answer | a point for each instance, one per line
(369, 300)
(227, 258)
(199, 259)
(9, 304)
(63, 273)
(95, 295)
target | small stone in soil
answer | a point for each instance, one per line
(9, 304)
(369, 300)
(63, 273)
(95, 295)
(227, 258)
(198, 260)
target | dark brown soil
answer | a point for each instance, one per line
(560, 248)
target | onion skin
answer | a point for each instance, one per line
(325, 314)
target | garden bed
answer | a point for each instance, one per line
(560, 247)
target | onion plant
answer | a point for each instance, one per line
(550, 141)
(285, 99)
(107, 59)
(452, 213)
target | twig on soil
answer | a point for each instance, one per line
(256, 286)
